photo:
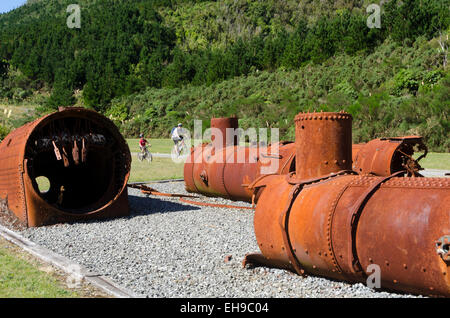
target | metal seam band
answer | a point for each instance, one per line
(357, 208)
(284, 216)
(330, 227)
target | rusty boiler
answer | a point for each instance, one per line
(84, 160)
(325, 220)
(225, 169)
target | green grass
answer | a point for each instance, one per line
(20, 278)
(158, 145)
(20, 114)
(43, 184)
(16, 110)
(434, 160)
(158, 169)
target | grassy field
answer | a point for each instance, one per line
(16, 111)
(158, 169)
(434, 160)
(16, 115)
(157, 145)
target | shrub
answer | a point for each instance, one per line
(4, 131)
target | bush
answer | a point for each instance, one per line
(4, 131)
(406, 80)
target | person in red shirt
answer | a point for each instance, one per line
(142, 143)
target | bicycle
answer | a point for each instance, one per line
(179, 149)
(145, 155)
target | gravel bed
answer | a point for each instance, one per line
(166, 248)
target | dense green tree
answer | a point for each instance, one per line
(408, 19)
(116, 38)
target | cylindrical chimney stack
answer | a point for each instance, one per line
(323, 143)
(228, 136)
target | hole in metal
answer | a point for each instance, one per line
(43, 184)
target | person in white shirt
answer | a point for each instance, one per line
(177, 135)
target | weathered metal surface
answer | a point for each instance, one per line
(216, 205)
(340, 225)
(397, 229)
(150, 191)
(223, 168)
(313, 157)
(224, 135)
(86, 186)
(227, 172)
(385, 156)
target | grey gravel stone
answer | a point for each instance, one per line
(166, 248)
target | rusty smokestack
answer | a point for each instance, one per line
(225, 135)
(323, 143)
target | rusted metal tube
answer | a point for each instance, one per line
(328, 236)
(227, 171)
(84, 158)
(340, 225)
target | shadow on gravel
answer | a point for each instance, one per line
(151, 205)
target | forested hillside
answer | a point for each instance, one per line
(150, 64)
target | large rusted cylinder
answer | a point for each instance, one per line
(84, 158)
(396, 229)
(342, 226)
(227, 172)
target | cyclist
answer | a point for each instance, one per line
(143, 143)
(177, 136)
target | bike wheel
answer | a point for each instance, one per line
(149, 157)
(140, 156)
(174, 152)
(183, 150)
